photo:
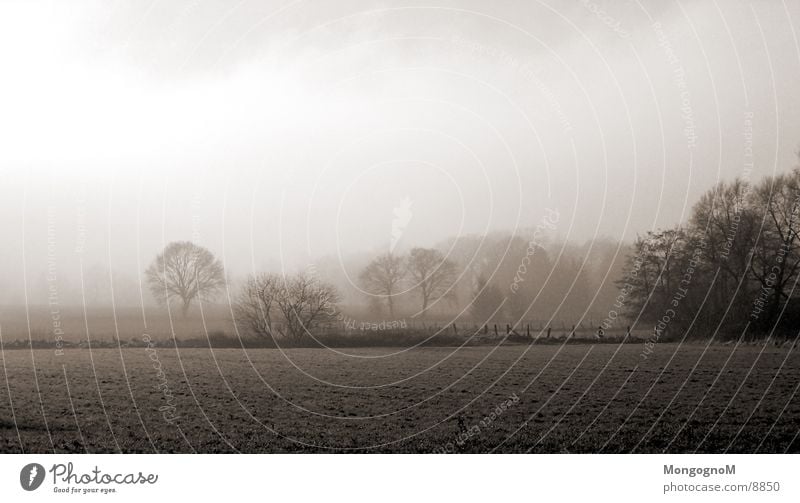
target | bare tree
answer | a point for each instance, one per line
(185, 271)
(305, 302)
(725, 220)
(383, 276)
(433, 274)
(257, 303)
(776, 261)
(654, 272)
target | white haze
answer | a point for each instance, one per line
(276, 133)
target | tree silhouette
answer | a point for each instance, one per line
(185, 271)
(776, 258)
(306, 302)
(383, 276)
(433, 274)
(258, 302)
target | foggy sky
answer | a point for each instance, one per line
(275, 133)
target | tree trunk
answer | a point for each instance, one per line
(185, 309)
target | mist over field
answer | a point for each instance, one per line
(393, 226)
(280, 137)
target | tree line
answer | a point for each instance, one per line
(730, 270)
(475, 285)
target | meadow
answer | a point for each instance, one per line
(550, 398)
